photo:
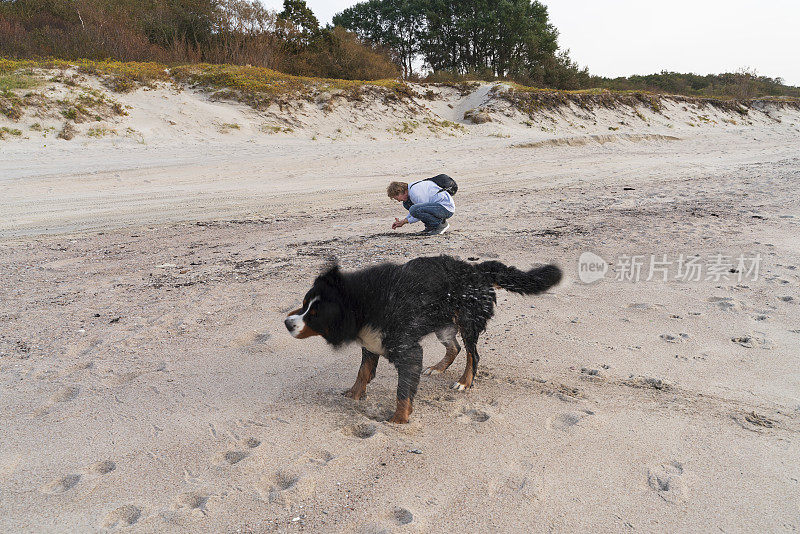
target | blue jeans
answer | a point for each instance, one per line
(432, 214)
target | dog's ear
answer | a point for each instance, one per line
(343, 320)
(332, 271)
(331, 264)
(332, 275)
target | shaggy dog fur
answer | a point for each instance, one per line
(389, 308)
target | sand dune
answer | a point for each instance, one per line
(147, 383)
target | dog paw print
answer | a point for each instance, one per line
(287, 488)
(361, 430)
(667, 481)
(565, 422)
(230, 457)
(675, 338)
(124, 516)
(401, 516)
(60, 484)
(103, 467)
(473, 415)
(190, 500)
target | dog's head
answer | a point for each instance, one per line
(324, 311)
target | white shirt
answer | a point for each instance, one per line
(426, 191)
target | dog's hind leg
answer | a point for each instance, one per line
(409, 369)
(366, 373)
(470, 338)
(447, 337)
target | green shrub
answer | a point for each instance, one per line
(5, 130)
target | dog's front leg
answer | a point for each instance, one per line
(408, 362)
(366, 373)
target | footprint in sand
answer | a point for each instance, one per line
(230, 457)
(565, 393)
(80, 366)
(318, 458)
(667, 481)
(251, 443)
(388, 522)
(675, 338)
(60, 485)
(286, 488)
(373, 528)
(123, 516)
(755, 340)
(65, 394)
(82, 349)
(190, 500)
(402, 516)
(786, 299)
(114, 378)
(473, 415)
(252, 341)
(726, 303)
(284, 480)
(566, 421)
(361, 430)
(102, 467)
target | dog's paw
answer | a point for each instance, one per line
(398, 419)
(458, 386)
(354, 394)
(432, 370)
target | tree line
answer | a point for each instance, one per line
(483, 38)
(240, 32)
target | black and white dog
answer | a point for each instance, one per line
(389, 308)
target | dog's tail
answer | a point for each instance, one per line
(512, 279)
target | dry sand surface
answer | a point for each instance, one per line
(147, 383)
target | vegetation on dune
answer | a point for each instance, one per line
(81, 104)
(511, 40)
(742, 85)
(17, 81)
(244, 78)
(4, 131)
(75, 99)
(260, 86)
(256, 80)
(143, 73)
(532, 101)
(255, 86)
(745, 83)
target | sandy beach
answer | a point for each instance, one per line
(148, 384)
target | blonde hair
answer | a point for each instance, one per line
(396, 188)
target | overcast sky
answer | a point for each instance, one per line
(624, 37)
